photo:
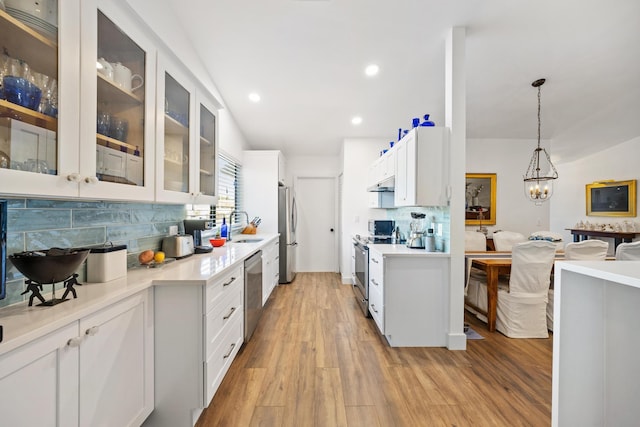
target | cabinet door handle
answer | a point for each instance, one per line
(92, 330)
(91, 180)
(375, 260)
(73, 177)
(233, 345)
(373, 307)
(229, 282)
(74, 342)
(230, 313)
(374, 282)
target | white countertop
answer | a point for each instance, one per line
(23, 324)
(403, 250)
(623, 272)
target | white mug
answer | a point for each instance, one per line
(123, 77)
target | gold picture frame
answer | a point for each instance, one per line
(480, 193)
(611, 198)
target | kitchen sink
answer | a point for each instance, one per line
(247, 240)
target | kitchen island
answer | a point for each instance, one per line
(90, 360)
(408, 295)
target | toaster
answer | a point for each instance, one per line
(178, 246)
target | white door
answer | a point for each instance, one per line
(316, 229)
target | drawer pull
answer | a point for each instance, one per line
(374, 282)
(92, 330)
(226, 356)
(74, 342)
(230, 313)
(373, 307)
(375, 260)
(229, 282)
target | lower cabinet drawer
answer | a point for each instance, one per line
(218, 363)
(220, 287)
(376, 307)
(224, 312)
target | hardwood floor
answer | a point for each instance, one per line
(315, 360)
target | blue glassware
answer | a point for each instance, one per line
(427, 122)
(415, 122)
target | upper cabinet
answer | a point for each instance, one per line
(118, 97)
(39, 71)
(421, 178)
(186, 138)
(85, 103)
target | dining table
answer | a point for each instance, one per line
(494, 266)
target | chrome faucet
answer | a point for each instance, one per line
(231, 215)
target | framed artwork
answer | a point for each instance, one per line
(480, 194)
(611, 198)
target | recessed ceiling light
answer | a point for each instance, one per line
(356, 120)
(254, 97)
(371, 70)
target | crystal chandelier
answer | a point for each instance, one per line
(538, 181)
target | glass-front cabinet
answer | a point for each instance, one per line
(32, 93)
(118, 87)
(207, 177)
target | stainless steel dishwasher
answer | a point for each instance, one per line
(252, 293)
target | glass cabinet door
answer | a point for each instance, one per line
(176, 136)
(208, 153)
(28, 93)
(121, 104)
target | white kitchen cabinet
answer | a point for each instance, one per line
(421, 177)
(595, 343)
(270, 268)
(382, 168)
(408, 298)
(135, 169)
(186, 138)
(39, 381)
(95, 371)
(109, 30)
(199, 330)
(262, 172)
(116, 363)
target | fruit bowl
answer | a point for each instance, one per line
(217, 242)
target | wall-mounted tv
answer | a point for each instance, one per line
(611, 198)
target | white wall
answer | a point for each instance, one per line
(358, 154)
(318, 166)
(568, 205)
(509, 159)
(168, 31)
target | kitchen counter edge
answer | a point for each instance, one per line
(23, 324)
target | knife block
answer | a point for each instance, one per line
(250, 229)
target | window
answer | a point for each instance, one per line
(229, 194)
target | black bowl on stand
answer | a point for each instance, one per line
(49, 266)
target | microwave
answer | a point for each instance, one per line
(378, 227)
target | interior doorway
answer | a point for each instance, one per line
(316, 230)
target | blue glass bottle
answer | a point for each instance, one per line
(223, 228)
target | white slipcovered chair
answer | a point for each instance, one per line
(475, 241)
(504, 240)
(628, 251)
(522, 301)
(595, 250)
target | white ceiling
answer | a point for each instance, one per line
(306, 59)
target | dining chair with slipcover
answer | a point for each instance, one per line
(475, 241)
(504, 240)
(522, 300)
(586, 250)
(628, 251)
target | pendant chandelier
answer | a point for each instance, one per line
(538, 181)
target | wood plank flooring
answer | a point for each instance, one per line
(315, 360)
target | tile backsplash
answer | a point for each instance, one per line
(34, 224)
(438, 214)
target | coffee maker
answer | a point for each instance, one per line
(416, 231)
(202, 231)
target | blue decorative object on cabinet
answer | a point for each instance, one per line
(427, 122)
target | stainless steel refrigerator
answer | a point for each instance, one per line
(287, 219)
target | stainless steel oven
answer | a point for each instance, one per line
(361, 285)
